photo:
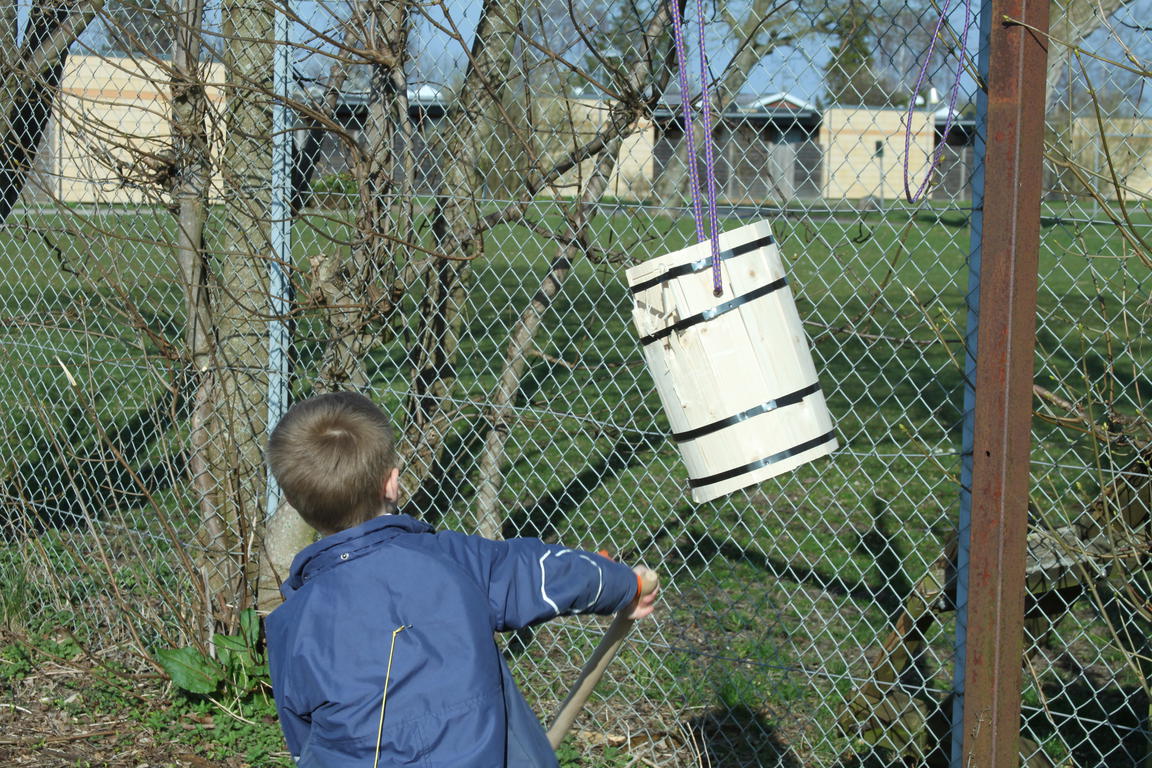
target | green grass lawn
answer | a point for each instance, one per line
(776, 596)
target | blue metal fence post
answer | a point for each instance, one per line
(280, 237)
(972, 325)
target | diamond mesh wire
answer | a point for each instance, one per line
(805, 621)
(1086, 696)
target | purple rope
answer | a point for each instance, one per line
(706, 125)
(709, 157)
(686, 106)
(948, 122)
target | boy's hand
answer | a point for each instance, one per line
(645, 602)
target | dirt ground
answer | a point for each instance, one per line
(43, 726)
(55, 715)
(68, 712)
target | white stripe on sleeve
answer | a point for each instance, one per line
(543, 583)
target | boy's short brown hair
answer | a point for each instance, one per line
(331, 454)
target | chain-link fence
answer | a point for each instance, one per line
(435, 204)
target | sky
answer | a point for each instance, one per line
(796, 70)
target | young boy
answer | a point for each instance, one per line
(383, 653)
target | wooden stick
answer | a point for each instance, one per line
(594, 668)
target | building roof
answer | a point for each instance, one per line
(776, 106)
(781, 100)
(423, 95)
(426, 94)
(958, 117)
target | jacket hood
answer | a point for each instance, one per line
(348, 545)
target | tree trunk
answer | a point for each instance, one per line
(459, 146)
(285, 534)
(232, 404)
(304, 159)
(29, 81)
(672, 187)
(747, 32)
(489, 521)
(622, 121)
(190, 195)
(360, 293)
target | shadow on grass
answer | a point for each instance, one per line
(540, 517)
(83, 469)
(880, 544)
(1103, 723)
(927, 390)
(888, 587)
(444, 487)
(705, 546)
(739, 736)
(1090, 365)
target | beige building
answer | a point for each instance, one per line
(863, 151)
(109, 134)
(109, 137)
(1124, 146)
(578, 121)
(764, 151)
(776, 149)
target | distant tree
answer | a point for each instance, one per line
(139, 26)
(1071, 92)
(851, 75)
(758, 30)
(1072, 22)
(897, 34)
(755, 30)
(902, 32)
(607, 32)
(29, 76)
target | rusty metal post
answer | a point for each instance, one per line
(1009, 215)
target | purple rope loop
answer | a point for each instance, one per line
(686, 106)
(706, 125)
(950, 120)
(709, 156)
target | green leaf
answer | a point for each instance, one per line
(190, 670)
(230, 643)
(229, 661)
(250, 627)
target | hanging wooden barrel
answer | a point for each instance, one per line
(734, 372)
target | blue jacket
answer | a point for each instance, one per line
(451, 701)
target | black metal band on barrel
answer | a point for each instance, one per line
(789, 399)
(702, 264)
(715, 311)
(731, 473)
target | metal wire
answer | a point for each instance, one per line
(513, 369)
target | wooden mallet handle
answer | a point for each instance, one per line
(595, 666)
